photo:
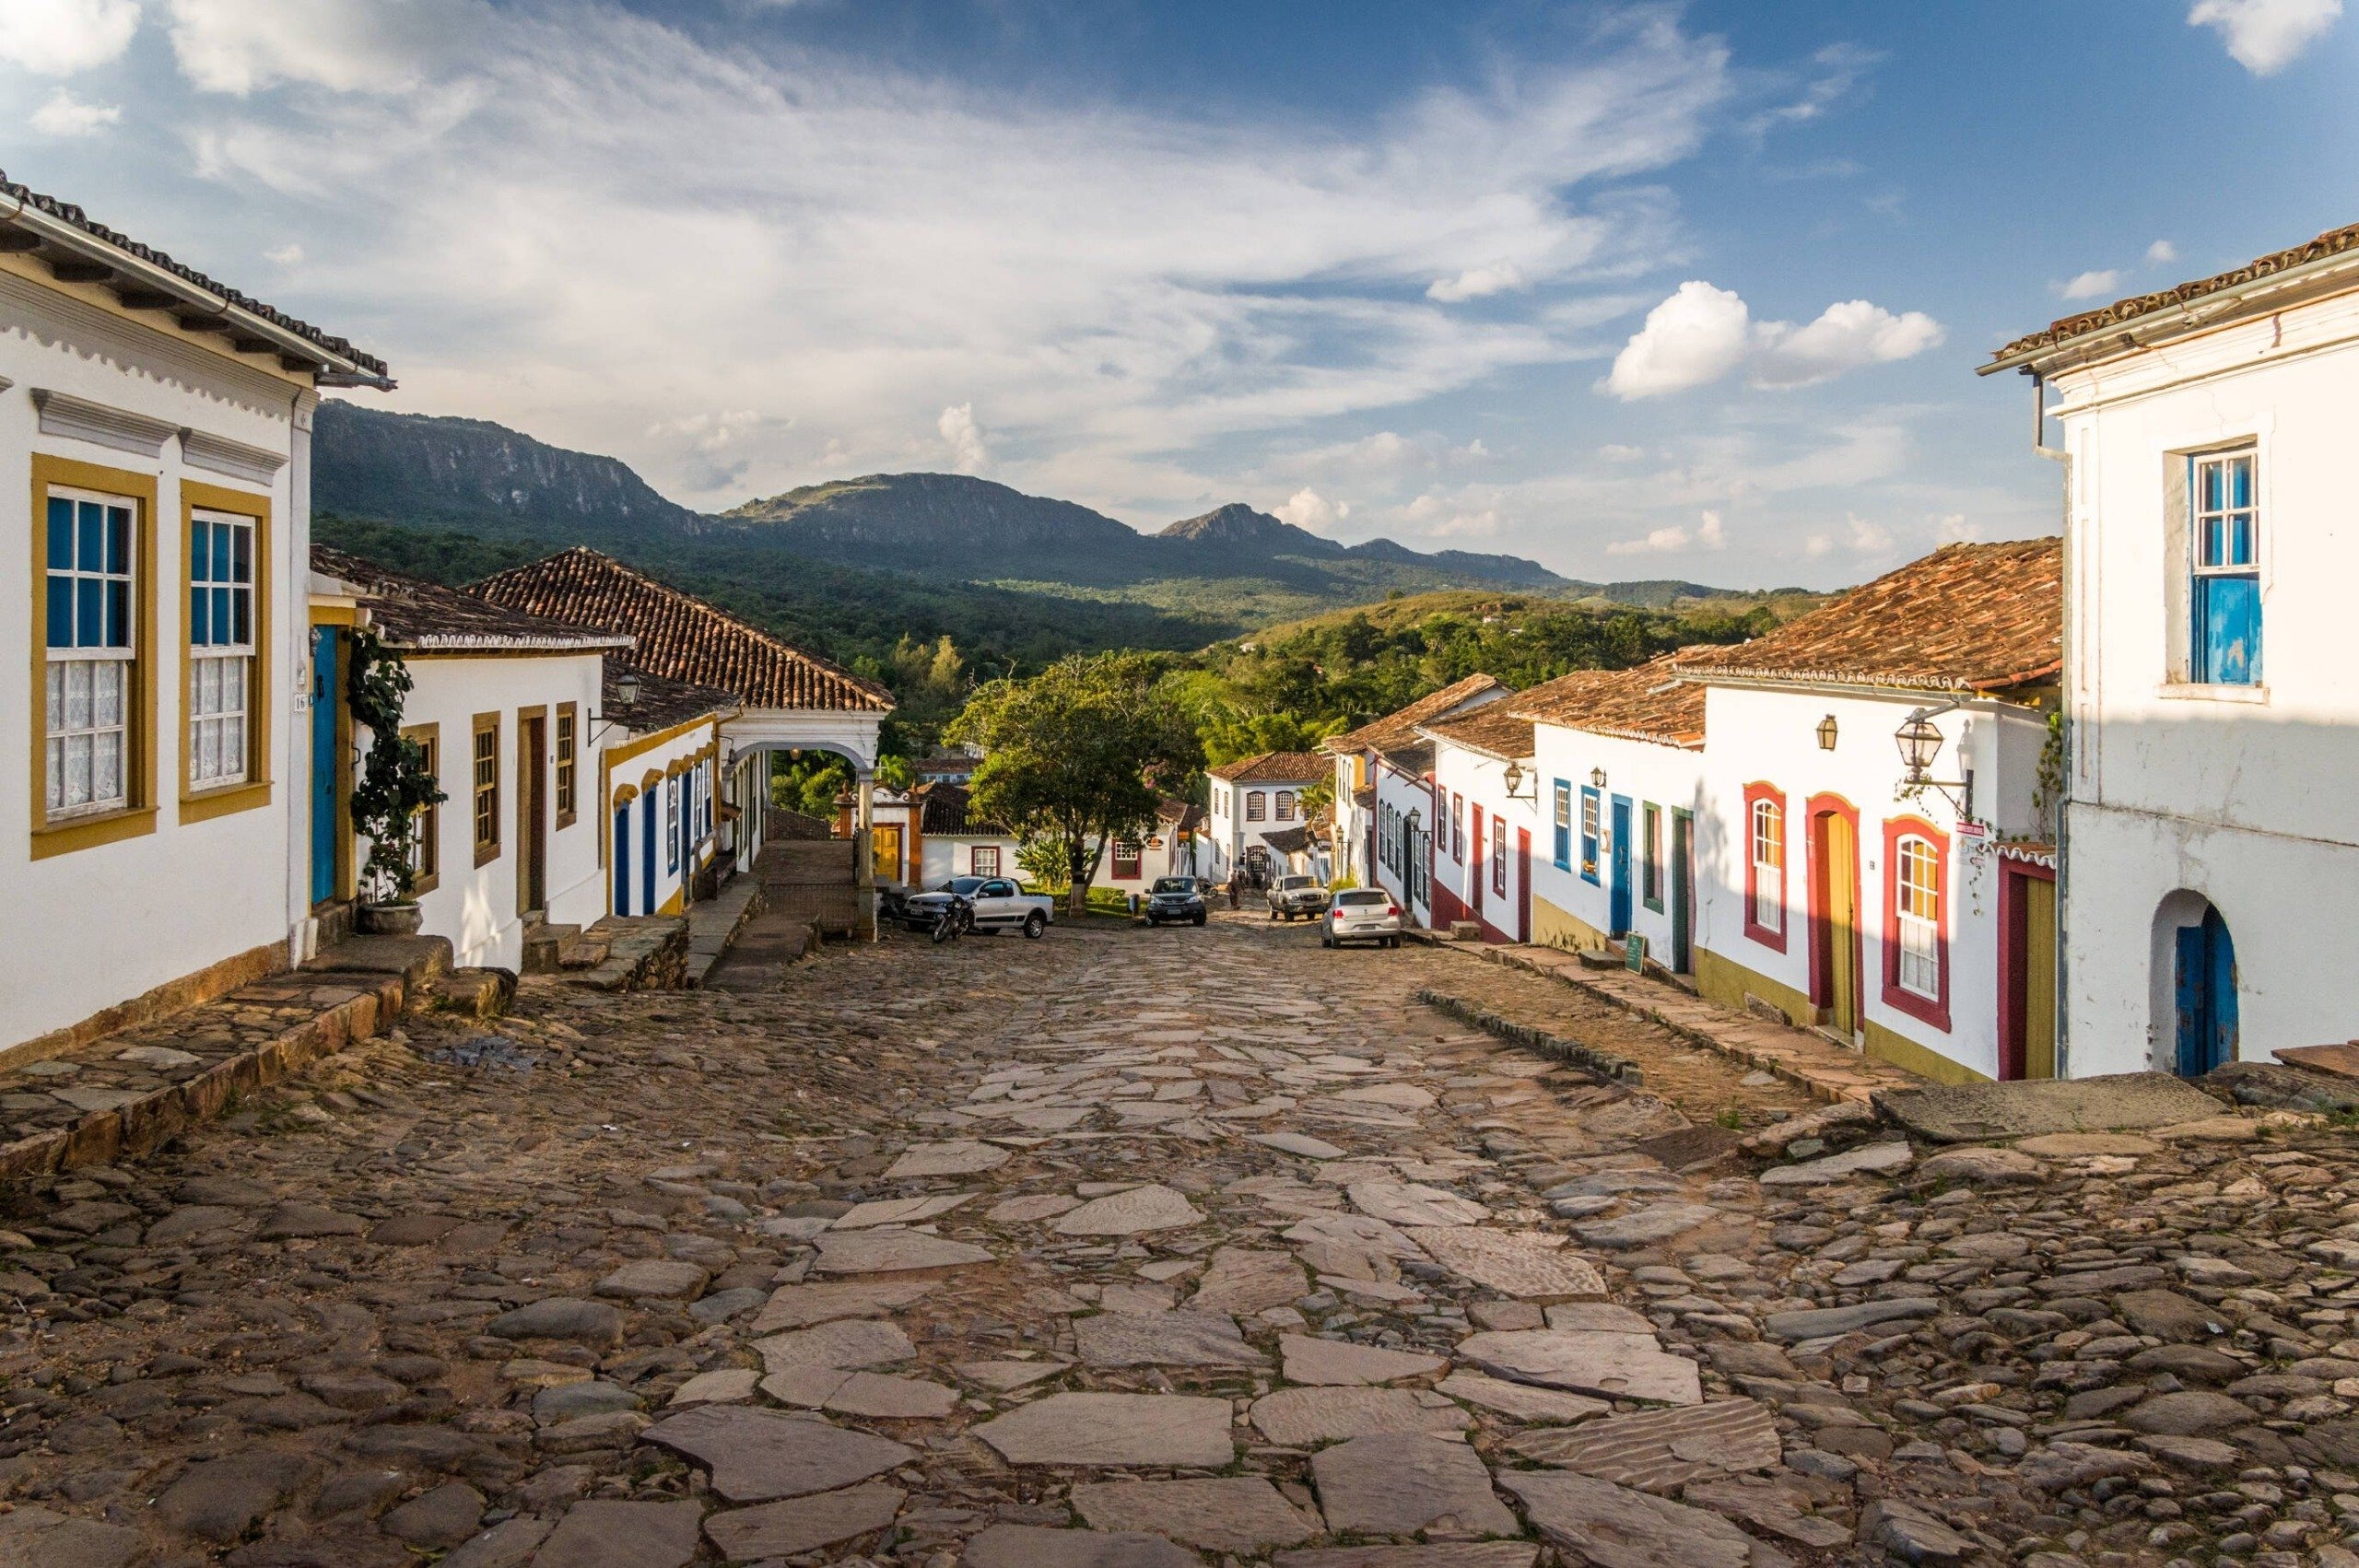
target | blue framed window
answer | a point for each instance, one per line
(222, 646)
(2224, 597)
(88, 648)
(1589, 832)
(1564, 826)
(671, 823)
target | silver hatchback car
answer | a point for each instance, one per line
(1362, 914)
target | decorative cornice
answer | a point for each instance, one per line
(255, 465)
(63, 413)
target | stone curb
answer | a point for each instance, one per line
(1604, 1063)
(145, 1124)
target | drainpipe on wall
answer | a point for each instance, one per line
(2063, 456)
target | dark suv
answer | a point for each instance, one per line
(1176, 899)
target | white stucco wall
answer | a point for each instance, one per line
(1229, 831)
(1644, 772)
(1402, 793)
(1478, 782)
(1763, 736)
(945, 856)
(633, 767)
(476, 906)
(99, 926)
(2239, 795)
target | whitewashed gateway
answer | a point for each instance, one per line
(2211, 832)
(160, 846)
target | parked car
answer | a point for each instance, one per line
(999, 905)
(1176, 899)
(1362, 914)
(1294, 898)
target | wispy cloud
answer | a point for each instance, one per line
(64, 115)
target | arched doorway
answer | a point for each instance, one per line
(2193, 941)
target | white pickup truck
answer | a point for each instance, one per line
(998, 904)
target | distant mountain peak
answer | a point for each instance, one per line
(1237, 524)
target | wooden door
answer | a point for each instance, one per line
(2207, 997)
(885, 850)
(1838, 876)
(1618, 913)
(1683, 890)
(327, 761)
(1523, 884)
(2039, 977)
(531, 813)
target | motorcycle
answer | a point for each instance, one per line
(956, 919)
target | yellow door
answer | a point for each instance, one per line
(1842, 852)
(2039, 977)
(885, 850)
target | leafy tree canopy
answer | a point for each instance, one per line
(1079, 754)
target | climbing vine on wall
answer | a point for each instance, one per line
(394, 784)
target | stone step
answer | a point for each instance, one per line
(544, 946)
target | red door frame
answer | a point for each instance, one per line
(1471, 866)
(1822, 945)
(2014, 963)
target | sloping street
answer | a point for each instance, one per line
(1146, 1247)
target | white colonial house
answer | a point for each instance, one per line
(2211, 729)
(955, 841)
(1619, 762)
(1171, 849)
(660, 776)
(1871, 855)
(1405, 818)
(504, 704)
(1251, 799)
(1355, 751)
(784, 698)
(1485, 820)
(157, 425)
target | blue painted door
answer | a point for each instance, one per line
(1621, 890)
(2206, 996)
(651, 832)
(621, 852)
(327, 770)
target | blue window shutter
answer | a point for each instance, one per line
(2228, 629)
(1564, 803)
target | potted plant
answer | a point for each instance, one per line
(394, 787)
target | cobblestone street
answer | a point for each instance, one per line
(1153, 1247)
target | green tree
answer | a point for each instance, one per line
(1079, 755)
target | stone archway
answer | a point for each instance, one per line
(2195, 987)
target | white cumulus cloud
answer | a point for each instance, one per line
(1476, 283)
(2266, 36)
(66, 115)
(1709, 533)
(1308, 508)
(968, 451)
(2161, 254)
(1697, 336)
(1846, 336)
(1702, 333)
(57, 38)
(2090, 284)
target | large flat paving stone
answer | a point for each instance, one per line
(756, 1455)
(1413, 1203)
(1615, 1526)
(1521, 1401)
(889, 1251)
(1616, 1366)
(898, 1211)
(1887, 1158)
(1297, 1417)
(1974, 1113)
(1660, 1451)
(1141, 1208)
(1166, 1339)
(219, 1499)
(1312, 1360)
(799, 1307)
(1239, 1513)
(33, 1535)
(1399, 1483)
(1527, 1264)
(1114, 1428)
(802, 1524)
(1446, 1554)
(846, 1342)
(1032, 1546)
(1242, 1280)
(961, 1156)
(603, 1534)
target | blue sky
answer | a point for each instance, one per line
(1634, 291)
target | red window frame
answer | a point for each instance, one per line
(1126, 853)
(1457, 827)
(1772, 937)
(1499, 859)
(1934, 1010)
(976, 862)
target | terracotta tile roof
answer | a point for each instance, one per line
(947, 809)
(1184, 816)
(419, 616)
(1294, 840)
(1490, 730)
(680, 635)
(1397, 727)
(1275, 767)
(73, 216)
(1413, 755)
(662, 703)
(1646, 702)
(2334, 242)
(1968, 617)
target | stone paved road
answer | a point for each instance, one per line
(1141, 1248)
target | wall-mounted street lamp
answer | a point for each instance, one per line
(625, 698)
(1827, 733)
(1596, 777)
(1514, 780)
(1920, 742)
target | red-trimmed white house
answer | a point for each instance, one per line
(1251, 799)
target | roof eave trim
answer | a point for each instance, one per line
(2191, 314)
